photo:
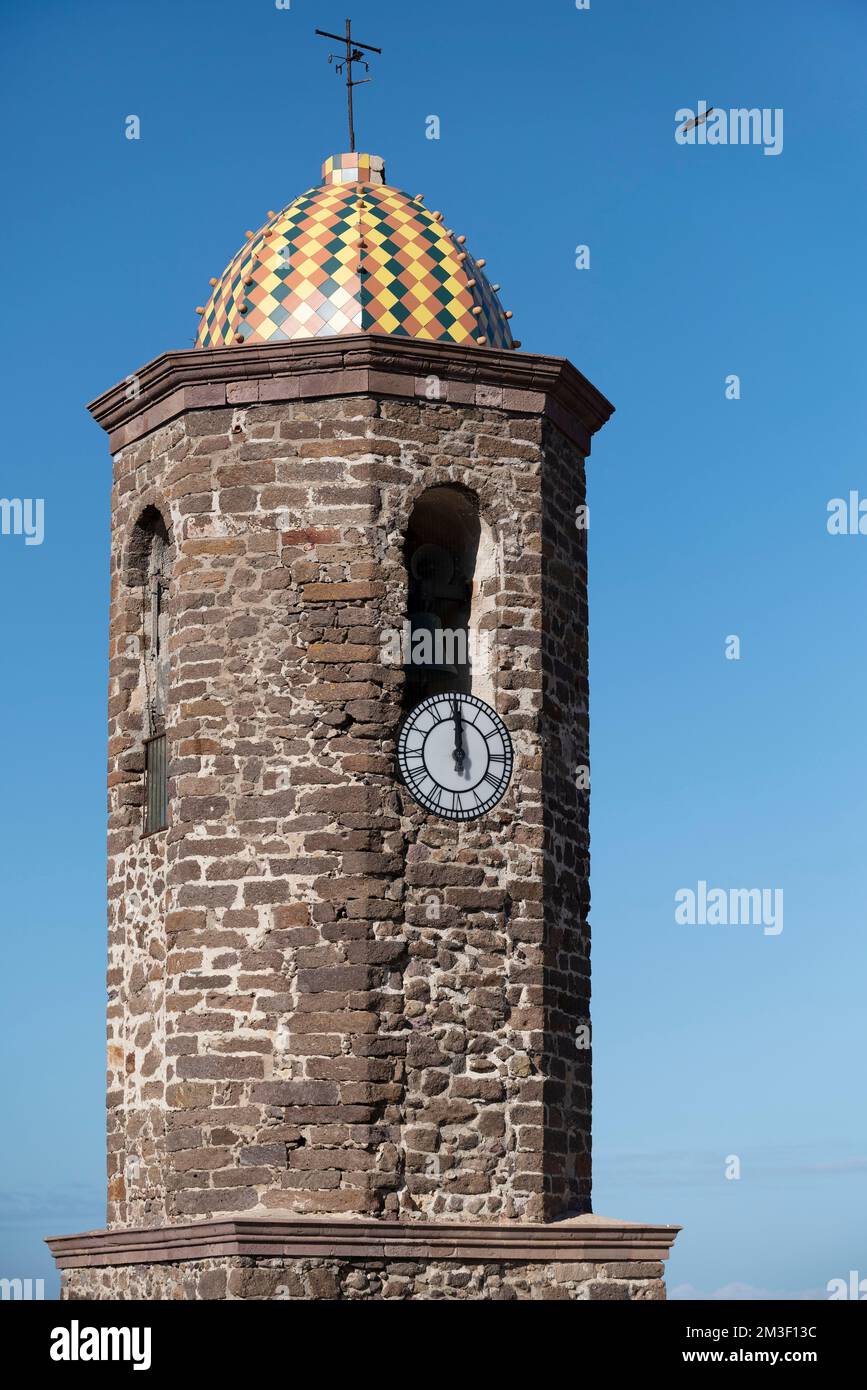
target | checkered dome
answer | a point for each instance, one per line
(353, 256)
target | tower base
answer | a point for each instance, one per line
(586, 1258)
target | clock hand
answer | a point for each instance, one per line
(459, 736)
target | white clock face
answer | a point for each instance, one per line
(455, 756)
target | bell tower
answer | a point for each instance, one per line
(348, 860)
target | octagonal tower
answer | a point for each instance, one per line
(348, 1038)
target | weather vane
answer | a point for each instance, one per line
(354, 54)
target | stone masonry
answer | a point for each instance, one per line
(324, 1002)
(239, 1278)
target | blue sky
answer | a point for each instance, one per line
(708, 519)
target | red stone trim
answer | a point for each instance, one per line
(359, 364)
(577, 1239)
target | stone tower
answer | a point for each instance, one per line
(348, 1037)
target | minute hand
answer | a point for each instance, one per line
(459, 736)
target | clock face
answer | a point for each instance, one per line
(455, 756)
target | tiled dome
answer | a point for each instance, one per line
(353, 256)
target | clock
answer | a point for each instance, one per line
(455, 756)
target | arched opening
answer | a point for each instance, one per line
(149, 563)
(440, 552)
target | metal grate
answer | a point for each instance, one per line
(156, 785)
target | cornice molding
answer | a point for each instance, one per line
(576, 1239)
(360, 364)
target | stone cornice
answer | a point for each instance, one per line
(576, 1239)
(358, 364)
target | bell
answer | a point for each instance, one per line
(424, 657)
(433, 566)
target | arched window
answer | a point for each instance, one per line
(149, 564)
(441, 553)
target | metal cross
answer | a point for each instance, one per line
(352, 55)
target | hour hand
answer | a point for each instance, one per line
(459, 736)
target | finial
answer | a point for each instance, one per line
(482, 263)
(200, 309)
(213, 281)
(352, 55)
